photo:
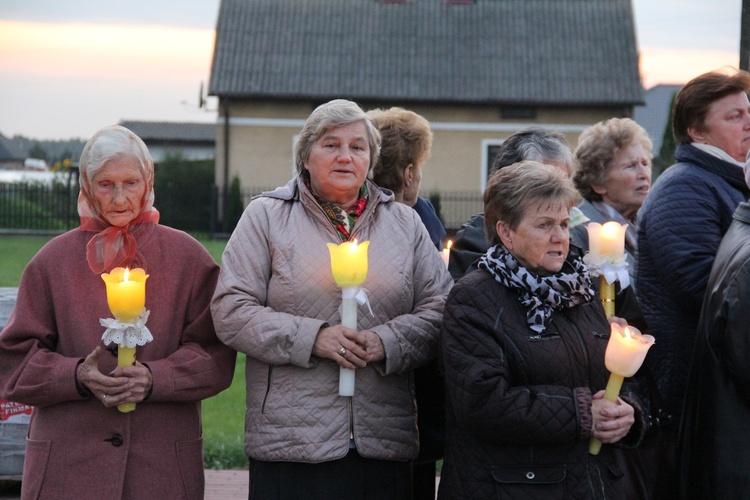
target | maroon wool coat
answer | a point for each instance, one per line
(77, 448)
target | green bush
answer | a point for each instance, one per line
(435, 200)
(235, 206)
(183, 193)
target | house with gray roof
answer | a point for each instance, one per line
(10, 157)
(654, 114)
(191, 141)
(478, 70)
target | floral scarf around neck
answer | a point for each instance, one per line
(342, 220)
(540, 295)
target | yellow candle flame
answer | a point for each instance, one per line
(349, 262)
(126, 292)
(607, 240)
(449, 244)
(626, 350)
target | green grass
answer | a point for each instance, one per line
(223, 414)
(224, 424)
(15, 253)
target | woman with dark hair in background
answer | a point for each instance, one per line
(681, 224)
(532, 144)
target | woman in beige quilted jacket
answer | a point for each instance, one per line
(278, 303)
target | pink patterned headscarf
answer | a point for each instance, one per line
(113, 246)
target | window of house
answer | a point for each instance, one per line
(518, 113)
(490, 148)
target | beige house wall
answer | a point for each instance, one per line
(262, 135)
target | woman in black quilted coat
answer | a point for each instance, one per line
(523, 349)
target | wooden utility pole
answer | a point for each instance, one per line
(745, 36)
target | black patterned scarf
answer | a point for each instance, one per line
(540, 295)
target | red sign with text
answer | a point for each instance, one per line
(14, 411)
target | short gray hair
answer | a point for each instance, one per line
(597, 147)
(512, 190)
(331, 115)
(535, 144)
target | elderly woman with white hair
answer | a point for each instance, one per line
(52, 356)
(277, 302)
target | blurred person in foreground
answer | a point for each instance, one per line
(614, 177)
(52, 357)
(714, 440)
(532, 144)
(405, 147)
(681, 224)
(524, 337)
(277, 302)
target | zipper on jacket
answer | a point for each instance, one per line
(268, 389)
(351, 419)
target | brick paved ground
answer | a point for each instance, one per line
(220, 485)
(232, 484)
(226, 484)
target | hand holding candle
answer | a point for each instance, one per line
(625, 353)
(126, 297)
(349, 267)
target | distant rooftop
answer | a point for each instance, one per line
(654, 115)
(172, 131)
(8, 150)
(514, 52)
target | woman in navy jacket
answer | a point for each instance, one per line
(682, 222)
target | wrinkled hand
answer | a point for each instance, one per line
(612, 421)
(129, 384)
(360, 348)
(374, 347)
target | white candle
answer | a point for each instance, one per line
(446, 253)
(349, 320)
(349, 267)
(607, 240)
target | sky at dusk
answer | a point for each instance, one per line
(69, 67)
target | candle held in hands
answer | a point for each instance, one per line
(126, 292)
(126, 297)
(626, 351)
(349, 267)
